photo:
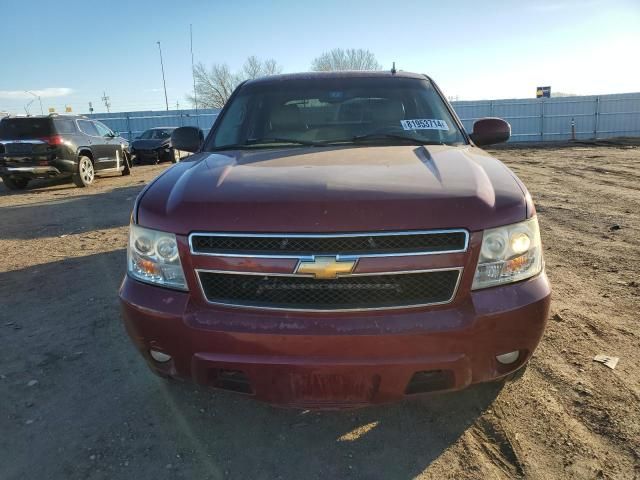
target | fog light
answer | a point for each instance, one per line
(159, 356)
(507, 358)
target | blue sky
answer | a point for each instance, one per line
(71, 51)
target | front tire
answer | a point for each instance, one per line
(126, 159)
(15, 183)
(175, 155)
(86, 173)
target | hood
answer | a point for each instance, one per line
(339, 189)
(150, 144)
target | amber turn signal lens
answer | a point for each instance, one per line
(148, 267)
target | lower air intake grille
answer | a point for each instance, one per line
(345, 293)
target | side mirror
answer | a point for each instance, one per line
(488, 131)
(188, 139)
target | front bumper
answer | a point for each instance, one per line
(156, 155)
(337, 360)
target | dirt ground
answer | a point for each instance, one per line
(76, 401)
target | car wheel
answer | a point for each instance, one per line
(175, 155)
(86, 174)
(15, 183)
(126, 159)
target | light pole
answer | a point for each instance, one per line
(39, 100)
(166, 100)
(193, 76)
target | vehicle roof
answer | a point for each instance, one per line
(160, 128)
(335, 75)
(53, 115)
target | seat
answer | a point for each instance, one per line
(286, 120)
(386, 113)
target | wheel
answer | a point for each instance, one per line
(15, 183)
(126, 159)
(86, 174)
(175, 155)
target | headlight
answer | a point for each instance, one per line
(509, 254)
(153, 257)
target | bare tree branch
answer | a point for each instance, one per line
(349, 59)
(215, 86)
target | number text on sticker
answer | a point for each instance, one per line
(424, 124)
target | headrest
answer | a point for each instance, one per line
(387, 111)
(286, 117)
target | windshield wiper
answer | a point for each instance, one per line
(394, 136)
(253, 142)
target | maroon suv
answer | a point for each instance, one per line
(337, 240)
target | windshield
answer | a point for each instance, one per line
(24, 128)
(393, 110)
(156, 134)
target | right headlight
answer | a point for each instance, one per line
(153, 257)
(509, 254)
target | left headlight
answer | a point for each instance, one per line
(509, 254)
(153, 257)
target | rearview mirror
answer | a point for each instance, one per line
(488, 131)
(188, 139)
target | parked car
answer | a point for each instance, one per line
(59, 145)
(154, 146)
(338, 240)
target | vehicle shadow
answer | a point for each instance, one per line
(68, 214)
(39, 184)
(396, 441)
(96, 400)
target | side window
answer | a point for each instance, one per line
(88, 128)
(103, 130)
(64, 126)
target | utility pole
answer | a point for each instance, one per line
(39, 100)
(166, 100)
(193, 76)
(105, 99)
(177, 105)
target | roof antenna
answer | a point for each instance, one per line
(393, 69)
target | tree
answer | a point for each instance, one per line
(349, 59)
(215, 86)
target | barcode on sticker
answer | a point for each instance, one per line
(424, 124)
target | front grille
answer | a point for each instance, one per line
(344, 293)
(147, 153)
(348, 244)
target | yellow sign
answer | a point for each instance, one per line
(68, 109)
(326, 268)
(52, 110)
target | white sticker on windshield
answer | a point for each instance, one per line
(424, 124)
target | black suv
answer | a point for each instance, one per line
(57, 145)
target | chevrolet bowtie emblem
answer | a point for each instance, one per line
(326, 268)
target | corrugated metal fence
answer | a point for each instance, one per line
(550, 119)
(532, 120)
(132, 124)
